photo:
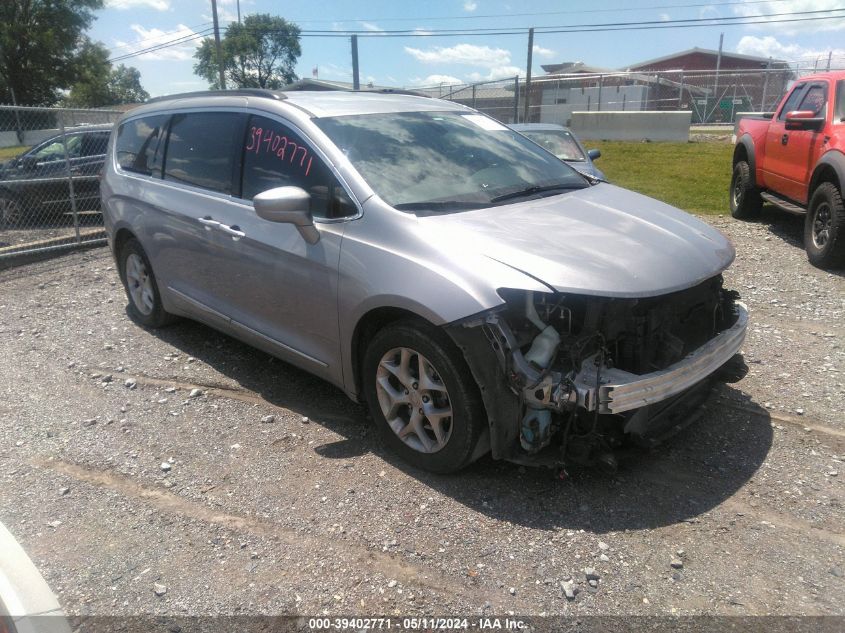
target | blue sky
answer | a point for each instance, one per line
(130, 25)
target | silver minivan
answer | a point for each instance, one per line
(479, 294)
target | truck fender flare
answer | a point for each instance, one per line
(746, 142)
(834, 160)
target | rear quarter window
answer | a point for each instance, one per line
(138, 147)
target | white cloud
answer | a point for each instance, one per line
(151, 37)
(545, 53)
(436, 80)
(467, 54)
(664, 17)
(369, 26)
(795, 6)
(499, 72)
(421, 30)
(470, 6)
(158, 5)
(769, 46)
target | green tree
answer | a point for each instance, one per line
(40, 41)
(98, 84)
(261, 52)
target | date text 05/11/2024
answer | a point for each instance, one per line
(416, 624)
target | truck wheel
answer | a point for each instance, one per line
(422, 396)
(824, 227)
(745, 198)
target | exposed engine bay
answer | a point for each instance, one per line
(585, 372)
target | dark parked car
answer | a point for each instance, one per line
(561, 142)
(35, 184)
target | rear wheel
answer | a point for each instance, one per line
(138, 279)
(422, 396)
(824, 227)
(11, 210)
(745, 197)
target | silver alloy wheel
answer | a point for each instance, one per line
(10, 210)
(822, 223)
(140, 284)
(414, 400)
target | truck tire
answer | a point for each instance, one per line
(745, 197)
(824, 227)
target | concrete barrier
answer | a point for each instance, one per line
(632, 126)
(30, 137)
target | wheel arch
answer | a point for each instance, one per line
(830, 168)
(122, 236)
(365, 328)
(744, 150)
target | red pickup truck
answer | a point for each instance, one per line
(795, 160)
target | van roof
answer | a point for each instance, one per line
(316, 103)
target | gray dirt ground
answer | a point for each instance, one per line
(310, 517)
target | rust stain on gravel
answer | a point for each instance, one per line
(166, 501)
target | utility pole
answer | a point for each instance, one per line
(716, 80)
(239, 11)
(217, 45)
(527, 105)
(356, 82)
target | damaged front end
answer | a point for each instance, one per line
(565, 378)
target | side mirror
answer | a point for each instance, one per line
(290, 205)
(594, 154)
(803, 120)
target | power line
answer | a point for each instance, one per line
(574, 28)
(144, 40)
(544, 13)
(727, 20)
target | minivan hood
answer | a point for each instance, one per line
(601, 241)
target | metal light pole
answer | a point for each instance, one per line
(217, 45)
(356, 82)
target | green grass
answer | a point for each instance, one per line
(10, 152)
(692, 176)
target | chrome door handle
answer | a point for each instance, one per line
(209, 223)
(234, 231)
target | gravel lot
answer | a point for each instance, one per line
(137, 463)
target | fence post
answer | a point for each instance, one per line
(765, 85)
(601, 81)
(73, 207)
(516, 99)
(473, 95)
(681, 93)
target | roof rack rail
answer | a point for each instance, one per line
(394, 91)
(238, 92)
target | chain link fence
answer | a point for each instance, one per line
(712, 97)
(49, 177)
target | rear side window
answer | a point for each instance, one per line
(276, 156)
(138, 148)
(202, 149)
(840, 102)
(791, 103)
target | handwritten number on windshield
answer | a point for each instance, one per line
(285, 149)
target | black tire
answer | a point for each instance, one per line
(824, 227)
(149, 315)
(744, 195)
(468, 419)
(11, 210)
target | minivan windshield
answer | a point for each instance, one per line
(447, 161)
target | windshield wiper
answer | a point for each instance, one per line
(529, 191)
(440, 205)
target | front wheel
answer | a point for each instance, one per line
(824, 227)
(745, 197)
(422, 396)
(136, 273)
